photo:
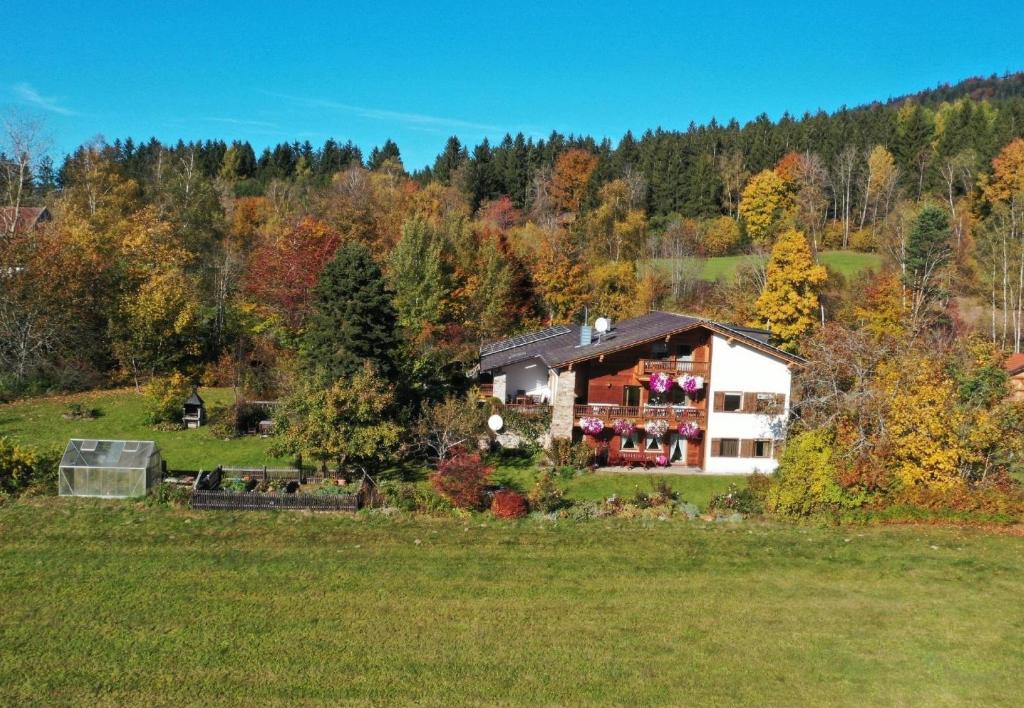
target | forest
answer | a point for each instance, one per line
(304, 273)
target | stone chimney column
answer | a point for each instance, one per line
(562, 417)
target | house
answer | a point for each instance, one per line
(724, 409)
(21, 220)
(1014, 366)
(193, 411)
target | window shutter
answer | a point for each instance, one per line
(746, 448)
(749, 402)
(719, 401)
(777, 449)
(716, 446)
(780, 402)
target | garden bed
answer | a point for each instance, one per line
(257, 501)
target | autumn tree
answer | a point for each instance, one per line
(927, 253)
(766, 207)
(418, 275)
(789, 303)
(561, 279)
(570, 178)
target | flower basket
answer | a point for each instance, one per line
(689, 384)
(660, 382)
(661, 460)
(623, 427)
(591, 426)
(656, 428)
(689, 430)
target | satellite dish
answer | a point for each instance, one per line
(495, 422)
(601, 324)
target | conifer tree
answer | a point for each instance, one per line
(418, 274)
(788, 305)
(353, 318)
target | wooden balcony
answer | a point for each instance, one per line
(485, 390)
(674, 367)
(672, 414)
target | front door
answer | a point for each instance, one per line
(676, 449)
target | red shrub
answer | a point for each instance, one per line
(508, 504)
(461, 480)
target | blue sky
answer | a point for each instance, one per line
(267, 72)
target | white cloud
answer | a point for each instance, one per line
(27, 94)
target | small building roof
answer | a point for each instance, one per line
(111, 454)
(194, 399)
(1014, 364)
(560, 346)
(23, 218)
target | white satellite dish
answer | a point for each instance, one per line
(495, 422)
(601, 324)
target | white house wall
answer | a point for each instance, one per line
(530, 376)
(739, 367)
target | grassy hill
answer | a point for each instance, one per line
(847, 263)
(39, 422)
(109, 603)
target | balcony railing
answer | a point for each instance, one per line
(672, 414)
(486, 390)
(675, 367)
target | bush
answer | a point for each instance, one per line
(165, 494)
(412, 497)
(461, 480)
(26, 470)
(530, 428)
(743, 501)
(166, 396)
(546, 495)
(508, 504)
(563, 452)
(805, 483)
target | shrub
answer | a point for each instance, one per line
(165, 494)
(736, 499)
(166, 396)
(412, 497)
(26, 470)
(563, 452)
(508, 504)
(461, 480)
(546, 495)
(805, 483)
(863, 239)
(530, 428)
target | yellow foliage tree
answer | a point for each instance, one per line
(766, 207)
(789, 301)
(613, 286)
(880, 312)
(560, 280)
(923, 422)
(719, 236)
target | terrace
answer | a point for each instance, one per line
(609, 413)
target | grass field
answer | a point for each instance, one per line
(111, 603)
(848, 263)
(38, 421)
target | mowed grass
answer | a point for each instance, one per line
(847, 263)
(39, 422)
(111, 603)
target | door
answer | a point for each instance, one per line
(676, 449)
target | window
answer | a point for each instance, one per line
(631, 395)
(730, 447)
(679, 397)
(766, 403)
(685, 352)
(652, 444)
(628, 442)
(762, 448)
(732, 401)
(659, 350)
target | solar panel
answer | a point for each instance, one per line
(524, 339)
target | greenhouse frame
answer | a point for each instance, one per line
(115, 469)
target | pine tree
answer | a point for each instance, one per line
(385, 154)
(788, 305)
(353, 318)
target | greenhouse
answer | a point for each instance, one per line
(109, 468)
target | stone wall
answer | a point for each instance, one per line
(562, 417)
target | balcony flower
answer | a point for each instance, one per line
(656, 428)
(591, 426)
(689, 430)
(689, 384)
(622, 427)
(661, 460)
(660, 382)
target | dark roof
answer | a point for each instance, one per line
(194, 399)
(564, 348)
(24, 218)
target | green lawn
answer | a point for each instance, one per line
(38, 421)
(108, 603)
(848, 263)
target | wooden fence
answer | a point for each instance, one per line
(255, 501)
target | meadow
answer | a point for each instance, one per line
(846, 263)
(113, 603)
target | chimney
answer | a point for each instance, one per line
(586, 335)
